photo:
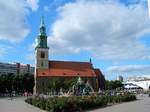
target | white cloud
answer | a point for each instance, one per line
(2, 52)
(129, 68)
(149, 7)
(127, 71)
(13, 26)
(31, 47)
(109, 30)
(33, 4)
(30, 57)
(4, 49)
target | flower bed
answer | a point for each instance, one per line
(76, 103)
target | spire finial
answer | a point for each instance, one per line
(90, 60)
(42, 27)
(42, 21)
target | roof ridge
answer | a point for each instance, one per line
(69, 61)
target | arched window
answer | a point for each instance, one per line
(42, 54)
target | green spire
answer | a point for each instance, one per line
(42, 38)
(42, 22)
(42, 27)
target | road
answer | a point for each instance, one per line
(141, 105)
(18, 105)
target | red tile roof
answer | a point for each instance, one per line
(98, 72)
(68, 69)
(101, 78)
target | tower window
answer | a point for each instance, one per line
(42, 55)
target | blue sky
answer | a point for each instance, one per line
(114, 33)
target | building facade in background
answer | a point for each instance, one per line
(46, 70)
(120, 78)
(15, 68)
(139, 81)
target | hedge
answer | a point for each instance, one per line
(77, 103)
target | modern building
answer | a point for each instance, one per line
(24, 68)
(131, 86)
(6, 68)
(142, 81)
(120, 78)
(138, 78)
(46, 70)
(15, 68)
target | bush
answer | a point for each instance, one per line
(76, 103)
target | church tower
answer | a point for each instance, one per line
(41, 50)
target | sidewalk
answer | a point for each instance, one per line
(16, 105)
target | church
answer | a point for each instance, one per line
(46, 70)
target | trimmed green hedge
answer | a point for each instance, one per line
(77, 103)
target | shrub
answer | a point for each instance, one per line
(74, 103)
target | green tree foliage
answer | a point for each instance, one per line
(111, 85)
(18, 83)
(55, 84)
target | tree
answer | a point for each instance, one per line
(18, 83)
(110, 85)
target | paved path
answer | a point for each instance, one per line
(141, 105)
(16, 105)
